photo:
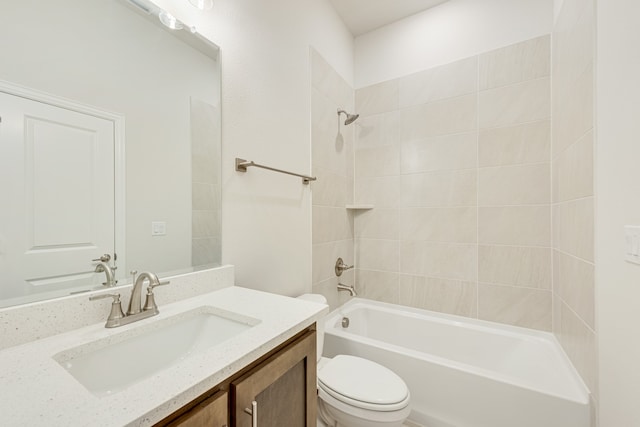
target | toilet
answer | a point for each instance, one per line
(357, 392)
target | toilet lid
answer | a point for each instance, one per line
(362, 380)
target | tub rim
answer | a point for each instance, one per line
(332, 321)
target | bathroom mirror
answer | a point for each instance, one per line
(109, 144)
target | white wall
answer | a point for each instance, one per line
(452, 31)
(617, 204)
(266, 118)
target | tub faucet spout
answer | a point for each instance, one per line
(351, 289)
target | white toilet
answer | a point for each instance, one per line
(356, 392)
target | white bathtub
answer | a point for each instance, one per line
(464, 372)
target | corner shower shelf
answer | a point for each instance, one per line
(360, 207)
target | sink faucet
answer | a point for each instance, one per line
(103, 267)
(135, 302)
(136, 311)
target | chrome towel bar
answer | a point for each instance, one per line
(242, 165)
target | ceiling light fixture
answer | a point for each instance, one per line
(169, 21)
(202, 4)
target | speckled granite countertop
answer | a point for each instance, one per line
(36, 390)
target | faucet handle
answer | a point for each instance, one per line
(150, 301)
(103, 258)
(116, 309)
(341, 266)
(116, 297)
(154, 285)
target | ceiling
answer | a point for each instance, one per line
(362, 16)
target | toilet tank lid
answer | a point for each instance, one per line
(320, 299)
(363, 380)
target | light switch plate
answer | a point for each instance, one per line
(158, 228)
(632, 243)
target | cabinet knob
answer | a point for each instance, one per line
(253, 412)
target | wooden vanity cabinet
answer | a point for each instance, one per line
(212, 412)
(281, 385)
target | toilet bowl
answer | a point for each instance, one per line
(357, 392)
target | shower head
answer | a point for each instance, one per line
(350, 117)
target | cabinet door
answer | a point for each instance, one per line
(281, 391)
(213, 412)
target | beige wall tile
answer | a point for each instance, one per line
(325, 255)
(573, 109)
(205, 196)
(377, 223)
(377, 130)
(451, 225)
(330, 189)
(573, 171)
(579, 342)
(443, 260)
(573, 228)
(329, 150)
(446, 296)
(383, 192)
(439, 189)
(206, 251)
(516, 63)
(378, 161)
(519, 103)
(448, 152)
(573, 213)
(515, 225)
(376, 254)
(574, 282)
(455, 115)
(515, 266)
(205, 142)
(514, 185)
(377, 285)
(329, 289)
(447, 81)
(205, 223)
(574, 41)
(330, 224)
(378, 98)
(511, 145)
(527, 307)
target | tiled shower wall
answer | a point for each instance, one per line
(456, 160)
(573, 195)
(332, 163)
(206, 212)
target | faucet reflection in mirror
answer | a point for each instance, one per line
(136, 311)
(184, 137)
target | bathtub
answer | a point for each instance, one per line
(464, 372)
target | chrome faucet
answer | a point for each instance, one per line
(351, 289)
(136, 311)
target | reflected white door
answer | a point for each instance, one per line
(56, 195)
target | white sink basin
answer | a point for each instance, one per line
(111, 364)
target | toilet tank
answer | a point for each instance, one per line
(320, 299)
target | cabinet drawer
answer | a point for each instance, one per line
(213, 412)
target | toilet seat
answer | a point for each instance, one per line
(363, 384)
